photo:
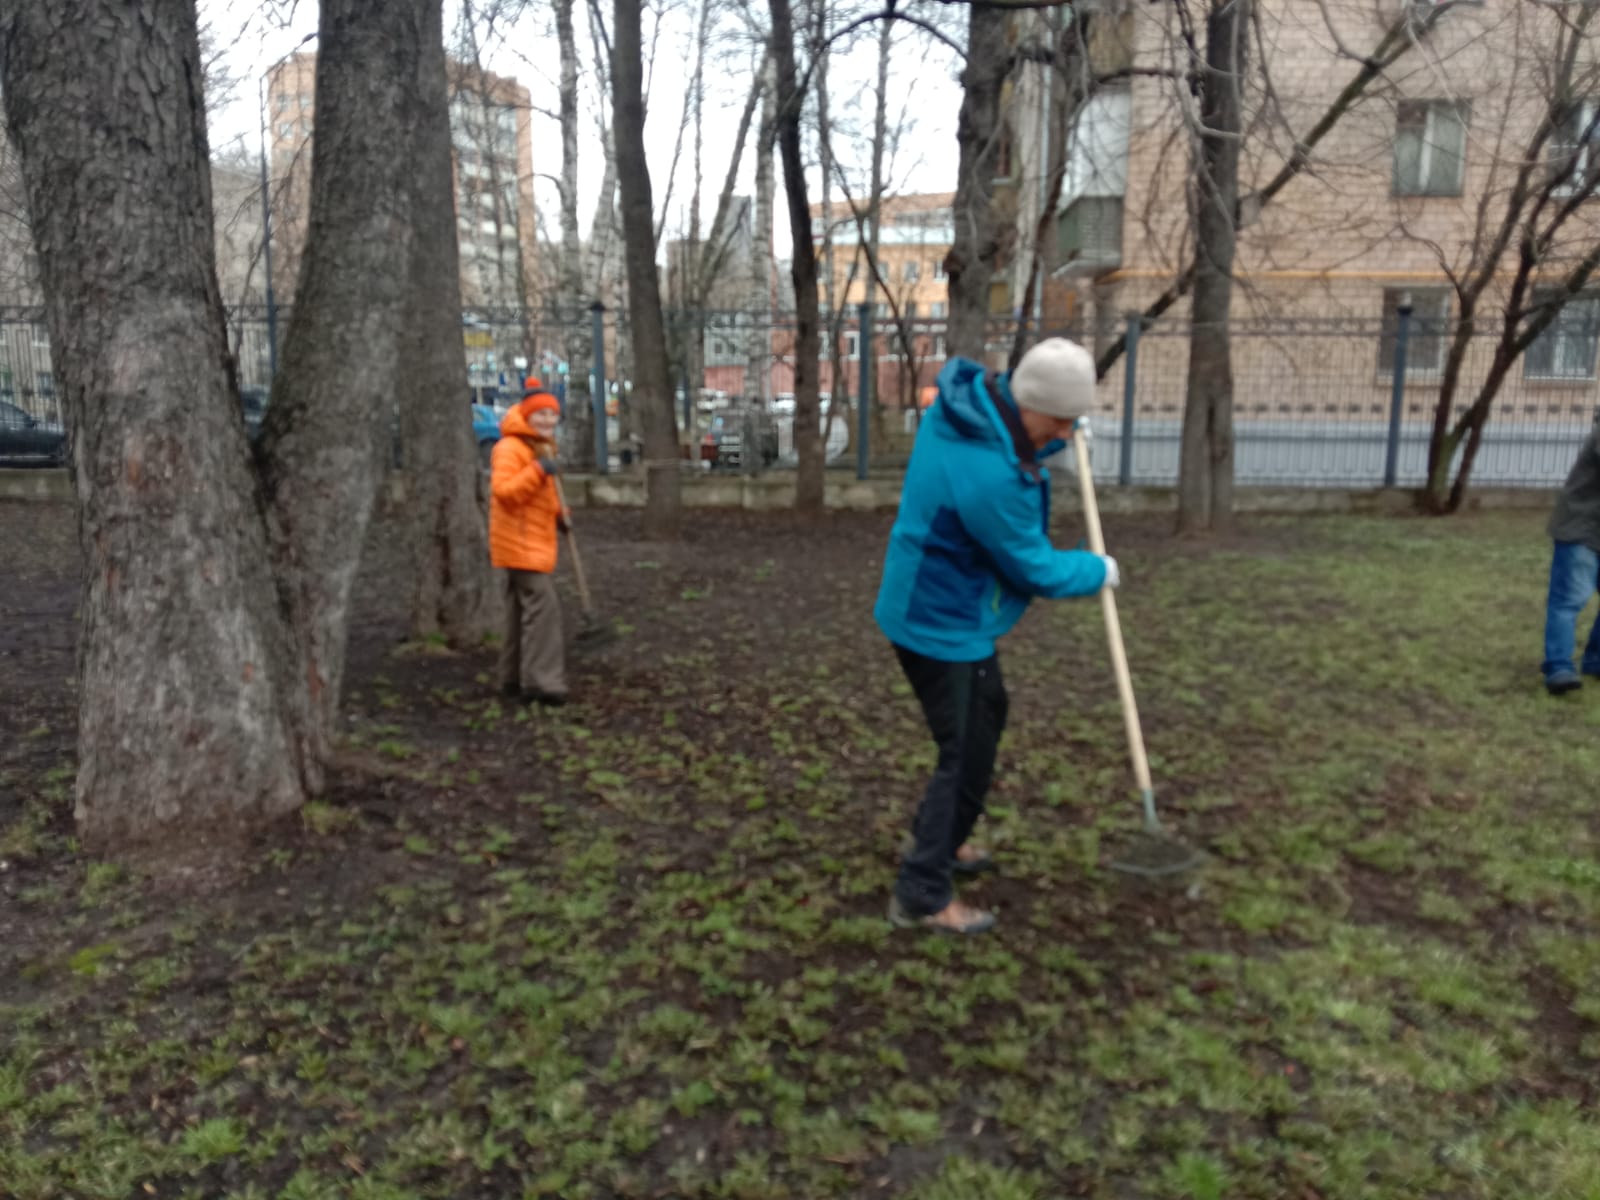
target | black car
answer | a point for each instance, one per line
(26, 441)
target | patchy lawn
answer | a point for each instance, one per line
(637, 949)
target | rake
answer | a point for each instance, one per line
(1154, 854)
(592, 631)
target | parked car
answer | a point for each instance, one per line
(486, 429)
(26, 441)
(253, 403)
(746, 438)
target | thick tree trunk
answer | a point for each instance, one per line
(652, 391)
(334, 401)
(192, 712)
(977, 250)
(808, 496)
(447, 532)
(1205, 468)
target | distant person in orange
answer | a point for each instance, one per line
(525, 516)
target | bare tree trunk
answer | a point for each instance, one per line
(839, 386)
(977, 250)
(652, 391)
(1065, 101)
(809, 491)
(1205, 468)
(759, 342)
(192, 711)
(577, 435)
(880, 137)
(334, 400)
(449, 544)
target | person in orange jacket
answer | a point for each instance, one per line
(525, 515)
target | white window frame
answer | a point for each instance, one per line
(1584, 161)
(852, 345)
(1433, 111)
(1560, 346)
(938, 270)
(1424, 307)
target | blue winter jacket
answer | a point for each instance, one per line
(971, 546)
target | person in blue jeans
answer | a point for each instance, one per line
(1574, 570)
(969, 550)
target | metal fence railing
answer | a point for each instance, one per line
(1317, 403)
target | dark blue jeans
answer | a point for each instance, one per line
(1574, 576)
(965, 706)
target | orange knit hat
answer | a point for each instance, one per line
(534, 401)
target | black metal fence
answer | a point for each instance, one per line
(1317, 403)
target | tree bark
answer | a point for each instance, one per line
(577, 435)
(878, 413)
(977, 251)
(333, 403)
(759, 340)
(652, 390)
(808, 496)
(192, 712)
(1205, 468)
(453, 595)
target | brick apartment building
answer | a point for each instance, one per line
(1392, 202)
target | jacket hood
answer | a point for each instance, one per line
(966, 405)
(980, 409)
(515, 424)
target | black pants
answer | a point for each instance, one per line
(965, 706)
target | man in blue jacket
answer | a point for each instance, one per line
(970, 549)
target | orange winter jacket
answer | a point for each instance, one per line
(523, 505)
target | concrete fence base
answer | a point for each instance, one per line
(765, 493)
(35, 484)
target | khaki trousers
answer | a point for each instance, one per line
(532, 657)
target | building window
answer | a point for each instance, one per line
(305, 100)
(1566, 349)
(46, 383)
(910, 272)
(283, 101)
(1425, 341)
(1430, 145)
(936, 310)
(880, 311)
(938, 269)
(910, 310)
(1573, 146)
(938, 346)
(852, 345)
(305, 125)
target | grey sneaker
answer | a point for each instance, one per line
(979, 922)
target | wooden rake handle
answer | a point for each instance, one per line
(1119, 653)
(572, 545)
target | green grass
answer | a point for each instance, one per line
(612, 955)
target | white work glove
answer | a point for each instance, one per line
(1113, 575)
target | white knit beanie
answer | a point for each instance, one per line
(1056, 378)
